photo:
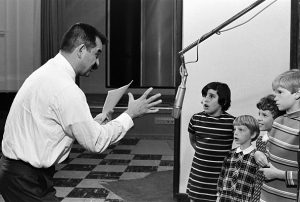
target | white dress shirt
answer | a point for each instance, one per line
(49, 112)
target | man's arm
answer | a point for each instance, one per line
(77, 121)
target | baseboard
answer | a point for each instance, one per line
(181, 197)
(150, 136)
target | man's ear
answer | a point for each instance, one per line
(80, 49)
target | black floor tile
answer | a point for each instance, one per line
(88, 193)
(141, 168)
(120, 151)
(147, 157)
(129, 141)
(63, 182)
(104, 175)
(114, 162)
(92, 155)
(166, 163)
(79, 167)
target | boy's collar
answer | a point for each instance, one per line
(295, 114)
(245, 151)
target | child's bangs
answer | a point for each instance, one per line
(283, 82)
(289, 80)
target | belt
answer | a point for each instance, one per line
(21, 167)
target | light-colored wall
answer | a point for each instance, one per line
(246, 58)
(19, 41)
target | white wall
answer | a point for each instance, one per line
(19, 42)
(246, 58)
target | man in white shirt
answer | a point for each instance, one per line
(50, 111)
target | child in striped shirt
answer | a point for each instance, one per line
(283, 143)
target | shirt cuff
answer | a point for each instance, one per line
(289, 178)
(126, 121)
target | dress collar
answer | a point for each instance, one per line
(245, 151)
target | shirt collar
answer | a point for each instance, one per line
(245, 151)
(295, 114)
(63, 62)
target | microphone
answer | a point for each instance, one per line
(178, 101)
(180, 92)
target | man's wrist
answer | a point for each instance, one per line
(129, 114)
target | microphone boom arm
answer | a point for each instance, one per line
(217, 29)
(183, 71)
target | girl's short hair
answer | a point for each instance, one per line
(268, 103)
(223, 92)
(289, 80)
(250, 122)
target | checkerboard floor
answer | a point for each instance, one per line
(83, 175)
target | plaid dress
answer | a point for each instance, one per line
(261, 145)
(237, 178)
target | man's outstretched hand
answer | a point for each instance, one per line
(143, 105)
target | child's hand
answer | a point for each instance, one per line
(273, 173)
(261, 159)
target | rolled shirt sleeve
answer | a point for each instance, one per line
(76, 119)
(95, 137)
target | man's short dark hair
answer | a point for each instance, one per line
(223, 92)
(81, 33)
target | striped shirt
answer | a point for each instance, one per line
(283, 146)
(214, 136)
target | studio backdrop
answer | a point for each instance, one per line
(247, 58)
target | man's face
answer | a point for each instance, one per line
(90, 59)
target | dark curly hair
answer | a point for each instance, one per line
(223, 92)
(268, 103)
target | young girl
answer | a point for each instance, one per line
(211, 135)
(238, 175)
(268, 112)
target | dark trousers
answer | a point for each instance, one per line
(19, 181)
